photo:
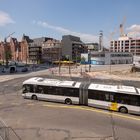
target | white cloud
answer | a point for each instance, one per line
(84, 37)
(5, 19)
(133, 30)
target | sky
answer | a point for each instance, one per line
(55, 18)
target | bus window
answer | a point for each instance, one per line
(39, 89)
(122, 98)
(24, 89)
(111, 97)
(98, 95)
(73, 92)
(59, 91)
(28, 88)
(134, 100)
(107, 97)
(45, 89)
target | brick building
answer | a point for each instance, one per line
(24, 44)
(2, 55)
(5, 51)
(17, 51)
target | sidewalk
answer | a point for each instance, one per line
(116, 75)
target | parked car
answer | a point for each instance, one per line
(25, 69)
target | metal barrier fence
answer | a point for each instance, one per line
(7, 133)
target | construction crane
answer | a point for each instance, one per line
(111, 36)
(111, 39)
(5, 39)
(122, 27)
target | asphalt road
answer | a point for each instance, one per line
(40, 120)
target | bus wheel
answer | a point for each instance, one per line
(34, 97)
(123, 110)
(68, 101)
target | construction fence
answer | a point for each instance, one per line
(7, 133)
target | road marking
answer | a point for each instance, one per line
(15, 103)
(31, 104)
(93, 110)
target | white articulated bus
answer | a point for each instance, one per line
(51, 90)
(125, 99)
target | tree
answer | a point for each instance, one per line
(8, 56)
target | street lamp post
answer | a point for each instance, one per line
(89, 53)
(110, 62)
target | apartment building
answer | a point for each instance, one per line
(72, 47)
(44, 49)
(51, 50)
(126, 44)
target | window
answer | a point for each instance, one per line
(111, 97)
(134, 100)
(107, 97)
(98, 95)
(72, 92)
(28, 88)
(59, 91)
(39, 89)
(49, 90)
(127, 99)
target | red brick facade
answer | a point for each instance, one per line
(24, 50)
(18, 50)
(5, 49)
(2, 56)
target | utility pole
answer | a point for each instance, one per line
(69, 66)
(59, 61)
(76, 58)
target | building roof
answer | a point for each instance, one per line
(15, 41)
(72, 38)
(27, 38)
(42, 39)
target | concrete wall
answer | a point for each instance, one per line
(108, 59)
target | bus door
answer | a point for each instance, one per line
(113, 105)
(83, 94)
